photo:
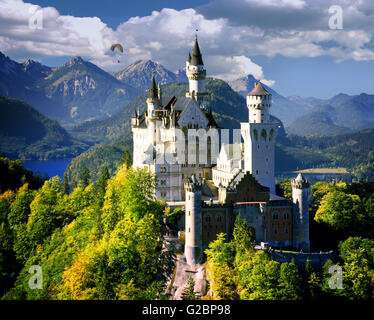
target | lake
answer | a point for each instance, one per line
(50, 167)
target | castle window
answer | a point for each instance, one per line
(286, 230)
(256, 171)
(189, 212)
(189, 229)
(219, 219)
(208, 219)
(286, 216)
(275, 216)
(275, 231)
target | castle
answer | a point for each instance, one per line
(176, 139)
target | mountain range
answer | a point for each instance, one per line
(139, 74)
(72, 93)
(340, 114)
(283, 108)
(79, 92)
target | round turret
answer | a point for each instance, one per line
(193, 244)
(259, 102)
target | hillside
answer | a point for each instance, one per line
(229, 109)
(340, 114)
(27, 134)
(316, 123)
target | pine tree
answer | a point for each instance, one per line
(126, 158)
(65, 183)
(188, 292)
(84, 177)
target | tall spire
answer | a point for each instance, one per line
(189, 57)
(196, 55)
(153, 90)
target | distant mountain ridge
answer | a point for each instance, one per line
(139, 74)
(283, 108)
(72, 93)
(340, 114)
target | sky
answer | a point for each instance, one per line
(291, 45)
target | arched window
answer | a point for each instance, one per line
(275, 215)
(263, 134)
(255, 133)
(271, 134)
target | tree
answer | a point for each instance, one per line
(224, 282)
(286, 188)
(358, 269)
(126, 158)
(189, 291)
(243, 237)
(84, 177)
(289, 282)
(340, 210)
(220, 251)
(65, 183)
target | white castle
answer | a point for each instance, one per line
(155, 136)
(177, 140)
(156, 133)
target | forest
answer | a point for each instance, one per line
(104, 241)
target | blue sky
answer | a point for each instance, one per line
(285, 43)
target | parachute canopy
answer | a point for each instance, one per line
(116, 45)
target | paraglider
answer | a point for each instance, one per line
(118, 47)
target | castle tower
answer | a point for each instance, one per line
(193, 249)
(300, 197)
(152, 104)
(196, 75)
(259, 137)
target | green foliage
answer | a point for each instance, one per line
(340, 210)
(358, 268)
(59, 232)
(353, 151)
(13, 175)
(96, 159)
(243, 237)
(286, 188)
(189, 291)
(84, 177)
(126, 158)
(220, 251)
(264, 279)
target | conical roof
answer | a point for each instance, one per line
(153, 90)
(197, 58)
(134, 115)
(258, 90)
(300, 178)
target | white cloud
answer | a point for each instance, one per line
(230, 33)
